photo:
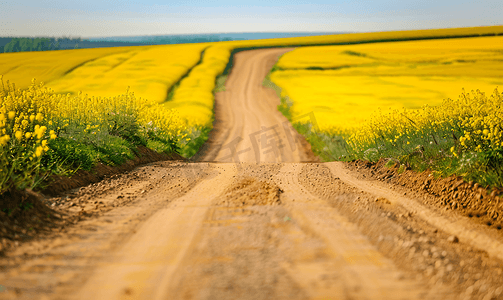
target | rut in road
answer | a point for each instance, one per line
(257, 217)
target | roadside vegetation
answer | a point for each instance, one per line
(43, 133)
(462, 137)
(394, 101)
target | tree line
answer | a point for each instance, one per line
(21, 44)
(39, 44)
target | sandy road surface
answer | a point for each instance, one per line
(268, 227)
(249, 127)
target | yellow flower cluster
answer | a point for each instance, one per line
(89, 112)
(23, 135)
(30, 118)
(480, 119)
(22, 120)
(473, 122)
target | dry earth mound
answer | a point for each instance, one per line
(250, 191)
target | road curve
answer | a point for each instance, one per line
(248, 126)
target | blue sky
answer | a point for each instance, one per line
(97, 18)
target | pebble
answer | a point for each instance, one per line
(426, 253)
(449, 268)
(438, 264)
(489, 296)
(453, 239)
(424, 240)
(469, 290)
(498, 291)
(444, 253)
(400, 276)
(476, 284)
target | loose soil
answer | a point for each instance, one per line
(452, 193)
(251, 191)
(259, 217)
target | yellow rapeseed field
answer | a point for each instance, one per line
(151, 71)
(344, 85)
(21, 67)
(101, 74)
(193, 99)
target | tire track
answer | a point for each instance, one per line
(143, 267)
(459, 226)
(365, 273)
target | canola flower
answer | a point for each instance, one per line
(149, 71)
(466, 131)
(193, 98)
(23, 136)
(21, 67)
(470, 123)
(31, 119)
(344, 85)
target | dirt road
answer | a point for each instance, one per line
(248, 126)
(275, 224)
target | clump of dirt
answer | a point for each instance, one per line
(453, 193)
(250, 191)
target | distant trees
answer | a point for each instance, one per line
(31, 44)
(182, 39)
(20, 44)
